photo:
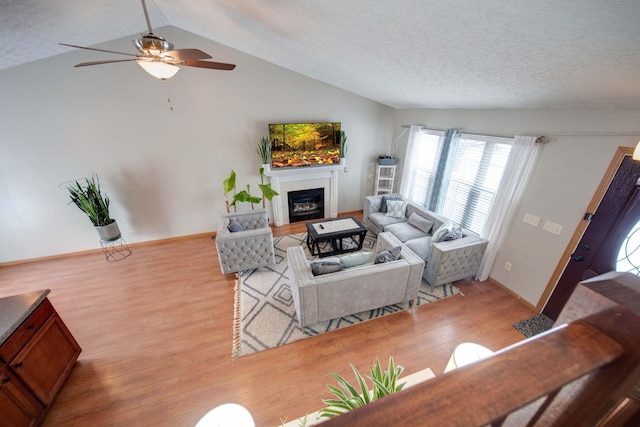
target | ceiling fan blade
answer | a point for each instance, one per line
(86, 64)
(97, 50)
(207, 64)
(185, 54)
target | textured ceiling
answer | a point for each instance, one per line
(581, 54)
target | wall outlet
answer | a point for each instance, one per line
(507, 266)
(531, 219)
(552, 227)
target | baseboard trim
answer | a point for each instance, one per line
(211, 234)
(513, 294)
(99, 250)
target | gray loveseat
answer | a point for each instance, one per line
(445, 261)
(354, 289)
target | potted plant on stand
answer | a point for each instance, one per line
(89, 199)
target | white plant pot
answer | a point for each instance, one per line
(109, 232)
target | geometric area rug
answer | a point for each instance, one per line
(534, 325)
(265, 315)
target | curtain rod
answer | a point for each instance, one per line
(585, 134)
(540, 139)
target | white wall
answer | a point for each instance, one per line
(162, 169)
(566, 177)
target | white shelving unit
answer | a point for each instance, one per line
(385, 176)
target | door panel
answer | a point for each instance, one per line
(597, 251)
(611, 246)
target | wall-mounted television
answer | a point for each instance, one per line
(304, 144)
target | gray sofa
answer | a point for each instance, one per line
(354, 289)
(446, 261)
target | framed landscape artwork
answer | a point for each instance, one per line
(304, 144)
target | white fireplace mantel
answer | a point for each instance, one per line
(301, 178)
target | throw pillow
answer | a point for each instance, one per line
(383, 205)
(388, 255)
(235, 226)
(356, 258)
(454, 234)
(421, 223)
(396, 208)
(323, 267)
(441, 232)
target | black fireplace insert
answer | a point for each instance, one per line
(306, 204)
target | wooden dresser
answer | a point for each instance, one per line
(37, 353)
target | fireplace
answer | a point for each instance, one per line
(306, 204)
(284, 180)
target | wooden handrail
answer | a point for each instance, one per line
(571, 375)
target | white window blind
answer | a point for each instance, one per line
(466, 188)
(428, 155)
(474, 181)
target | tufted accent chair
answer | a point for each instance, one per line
(247, 249)
(454, 260)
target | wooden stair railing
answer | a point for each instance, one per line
(574, 374)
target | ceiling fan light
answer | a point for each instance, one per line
(636, 152)
(158, 69)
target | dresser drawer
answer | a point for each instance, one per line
(26, 331)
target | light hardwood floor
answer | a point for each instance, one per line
(156, 334)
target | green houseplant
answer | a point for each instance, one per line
(348, 397)
(264, 150)
(88, 197)
(229, 185)
(343, 144)
(267, 191)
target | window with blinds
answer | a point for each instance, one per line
(428, 155)
(459, 182)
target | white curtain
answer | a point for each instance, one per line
(522, 160)
(410, 162)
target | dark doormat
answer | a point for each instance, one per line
(534, 325)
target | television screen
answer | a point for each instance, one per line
(304, 144)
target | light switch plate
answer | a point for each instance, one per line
(531, 219)
(552, 227)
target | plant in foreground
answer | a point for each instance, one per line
(349, 397)
(302, 422)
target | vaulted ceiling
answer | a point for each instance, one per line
(578, 54)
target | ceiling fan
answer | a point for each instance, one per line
(157, 56)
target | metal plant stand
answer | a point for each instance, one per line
(115, 249)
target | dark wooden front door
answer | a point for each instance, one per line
(598, 250)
